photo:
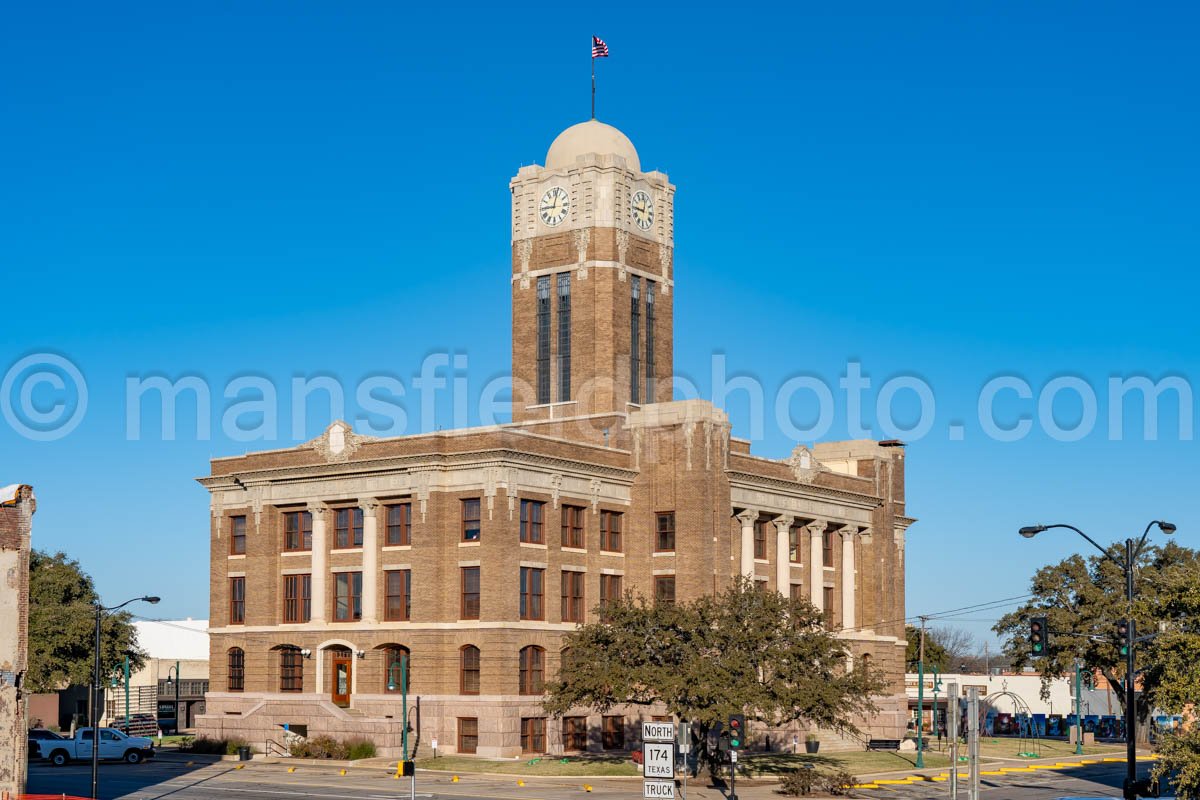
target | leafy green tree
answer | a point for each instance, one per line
(1177, 667)
(1083, 599)
(742, 651)
(62, 626)
(935, 651)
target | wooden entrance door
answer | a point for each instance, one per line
(340, 683)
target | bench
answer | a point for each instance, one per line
(883, 744)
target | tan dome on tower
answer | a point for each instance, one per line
(591, 137)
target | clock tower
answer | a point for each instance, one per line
(592, 279)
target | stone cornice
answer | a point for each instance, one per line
(747, 480)
(471, 459)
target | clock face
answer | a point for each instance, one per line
(555, 205)
(643, 210)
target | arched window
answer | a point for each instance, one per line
(468, 674)
(564, 656)
(864, 663)
(291, 669)
(397, 669)
(533, 669)
(237, 669)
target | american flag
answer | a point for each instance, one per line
(599, 48)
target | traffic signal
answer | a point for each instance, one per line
(737, 731)
(1039, 636)
(1124, 636)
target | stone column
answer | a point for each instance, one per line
(783, 561)
(816, 568)
(748, 518)
(849, 578)
(320, 561)
(370, 560)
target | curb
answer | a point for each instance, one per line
(921, 777)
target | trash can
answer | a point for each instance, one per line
(243, 754)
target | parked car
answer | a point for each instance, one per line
(37, 736)
(114, 746)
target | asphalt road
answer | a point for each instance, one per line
(221, 781)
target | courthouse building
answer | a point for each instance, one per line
(465, 556)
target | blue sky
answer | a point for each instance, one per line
(945, 191)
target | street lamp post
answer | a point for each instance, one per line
(402, 664)
(94, 711)
(177, 682)
(1133, 549)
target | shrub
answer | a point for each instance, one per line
(840, 783)
(799, 782)
(232, 745)
(359, 748)
(319, 747)
(811, 737)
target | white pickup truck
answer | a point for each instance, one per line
(114, 745)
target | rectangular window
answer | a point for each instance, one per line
(797, 591)
(468, 734)
(397, 595)
(760, 538)
(575, 733)
(470, 519)
(610, 531)
(297, 530)
(649, 341)
(827, 548)
(610, 591)
(664, 532)
(348, 527)
(635, 345)
(237, 536)
(347, 596)
(543, 339)
(531, 593)
(291, 670)
(533, 734)
(297, 598)
(531, 521)
(572, 596)
(794, 540)
(572, 526)
(469, 607)
(827, 603)
(399, 524)
(664, 589)
(613, 733)
(237, 601)
(564, 336)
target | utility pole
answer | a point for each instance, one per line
(921, 699)
(952, 732)
(973, 742)
(1078, 711)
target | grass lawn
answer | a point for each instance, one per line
(858, 762)
(596, 766)
(761, 765)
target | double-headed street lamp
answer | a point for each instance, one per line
(97, 687)
(1133, 549)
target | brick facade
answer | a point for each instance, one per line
(593, 450)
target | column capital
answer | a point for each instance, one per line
(850, 531)
(369, 505)
(784, 522)
(317, 509)
(748, 516)
(817, 526)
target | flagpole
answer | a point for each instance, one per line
(593, 44)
